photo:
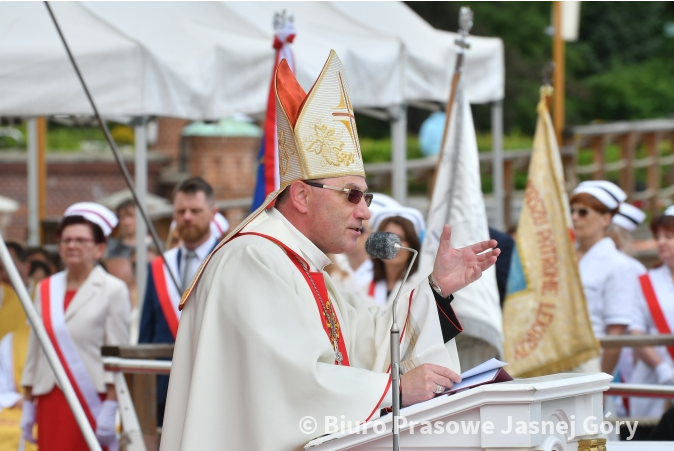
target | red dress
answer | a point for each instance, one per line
(57, 429)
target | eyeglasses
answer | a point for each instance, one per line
(582, 212)
(352, 195)
(76, 241)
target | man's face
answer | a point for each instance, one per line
(337, 222)
(193, 215)
(127, 221)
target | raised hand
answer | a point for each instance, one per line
(456, 268)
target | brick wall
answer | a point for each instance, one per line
(228, 164)
(70, 178)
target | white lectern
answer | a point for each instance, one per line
(561, 412)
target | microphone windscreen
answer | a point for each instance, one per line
(382, 245)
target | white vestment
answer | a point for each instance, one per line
(252, 358)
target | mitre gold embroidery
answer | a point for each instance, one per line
(326, 143)
(285, 151)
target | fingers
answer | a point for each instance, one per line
(486, 255)
(445, 238)
(484, 265)
(444, 372)
(483, 246)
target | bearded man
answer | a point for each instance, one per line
(193, 211)
(266, 339)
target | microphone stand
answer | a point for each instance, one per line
(395, 354)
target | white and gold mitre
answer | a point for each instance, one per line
(317, 135)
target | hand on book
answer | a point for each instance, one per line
(421, 383)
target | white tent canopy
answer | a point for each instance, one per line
(206, 60)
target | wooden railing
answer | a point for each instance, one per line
(658, 189)
(629, 136)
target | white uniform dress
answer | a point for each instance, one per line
(663, 285)
(611, 285)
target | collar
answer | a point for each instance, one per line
(312, 254)
(203, 250)
(602, 249)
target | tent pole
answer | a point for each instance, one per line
(497, 162)
(33, 183)
(141, 228)
(399, 152)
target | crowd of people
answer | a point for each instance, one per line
(90, 282)
(86, 296)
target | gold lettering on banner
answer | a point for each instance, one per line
(326, 142)
(544, 316)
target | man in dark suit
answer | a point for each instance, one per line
(193, 211)
(506, 244)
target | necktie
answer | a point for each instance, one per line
(186, 271)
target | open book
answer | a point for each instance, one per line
(488, 372)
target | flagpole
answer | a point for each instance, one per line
(465, 24)
(558, 56)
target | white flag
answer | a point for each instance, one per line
(477, 306)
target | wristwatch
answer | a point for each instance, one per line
(435, 286)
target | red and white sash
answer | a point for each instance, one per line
(167, 292)
(52, 295)
(662, 320)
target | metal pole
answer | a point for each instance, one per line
(497, 162)
(115, 151)
(558, 57)
(399, 152)
(48, 348)
(141, 228)
(32, 169)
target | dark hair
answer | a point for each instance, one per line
(38, 250)
(665, 222)
(96, 230)
(124, 205)
(193, 185)
(38, 264)
(590, 201)
(18, 250)
(410, 236)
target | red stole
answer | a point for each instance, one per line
(169, 308)
(321, 294)
(655, 309)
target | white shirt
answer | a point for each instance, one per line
(364, 273)
(663, 285)
(194, 263)
(611, 285)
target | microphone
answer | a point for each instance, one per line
(385, 245)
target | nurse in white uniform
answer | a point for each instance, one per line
(655, 315)
(608, 276)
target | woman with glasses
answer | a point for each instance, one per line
(608, 276)
(388, 274)
(655, 315)
(82, 308)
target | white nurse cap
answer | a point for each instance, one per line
(629, 217)
(96, 213)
